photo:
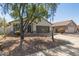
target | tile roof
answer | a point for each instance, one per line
(62, 23)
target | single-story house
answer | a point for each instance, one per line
(68, 26)
(43, 26)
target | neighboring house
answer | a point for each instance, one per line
(68, 26)
(78, 28)
(41, 27)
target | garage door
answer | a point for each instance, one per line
(42, 29)
(71, 29)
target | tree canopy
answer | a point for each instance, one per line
(31, 12)
(28, 10)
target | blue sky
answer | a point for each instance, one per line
(65, 11)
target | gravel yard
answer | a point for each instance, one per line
(65, 45)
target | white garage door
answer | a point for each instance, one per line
(71, 29)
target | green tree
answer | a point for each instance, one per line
(32, 12)
(3, 24)
(0, 21)
(51, 8)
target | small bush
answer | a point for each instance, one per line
(17, 32)
(1, 33)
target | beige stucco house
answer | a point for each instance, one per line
(43, 26)
(68, 26)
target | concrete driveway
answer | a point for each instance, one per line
(71, 49)
(73, 38)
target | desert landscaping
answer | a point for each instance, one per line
(39, 29)
(64, 45)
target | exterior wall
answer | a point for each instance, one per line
(66, 29)
(9, 29)
(1, 30)
(34, 28)
(42, 23)
(72, 28)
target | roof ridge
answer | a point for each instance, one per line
(66, 22)
(62, 21)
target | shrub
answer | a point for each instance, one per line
(17, 32)
(1, 33)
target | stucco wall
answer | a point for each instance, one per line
(71, 28)
(9, 29)
(1, 30)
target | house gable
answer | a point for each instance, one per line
(72, 27)
(72, 23)
(43, 22)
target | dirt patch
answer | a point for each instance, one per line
(31, 45)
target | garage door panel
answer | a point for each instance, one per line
(71, 29)
(42, 29)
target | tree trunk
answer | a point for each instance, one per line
(53, 38)
(21, 33)
(21, 39)
(4, 30)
